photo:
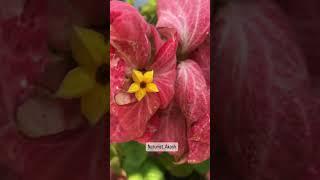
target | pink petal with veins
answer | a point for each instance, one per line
(129, 122)
(129, 34)
(199, 140)
(172, 128)
(152, 128)
(202, 56)
(156, 39)
(190, 18)
(192, 92)
(164, 67)
(261, 84)
(193, 97)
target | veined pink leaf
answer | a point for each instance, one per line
(156, 39)
(151, 129)
(199, 141)
(192, 93)
(129, 34)
(118, 82)
(164, 67)
(193, 97)
(190, 18)
(172, 128)
(129, 122)
(307, 29)
(202, 56)
(261, 81)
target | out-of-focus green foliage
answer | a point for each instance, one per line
(139, 165)
(149, 10)
(179, 170)
(151, 171)
(132, 2)
(136, 176)
(203, 167)
(133, 156)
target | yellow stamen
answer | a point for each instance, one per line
(143, 83)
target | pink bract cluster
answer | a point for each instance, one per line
(267, 90)
(177, 49)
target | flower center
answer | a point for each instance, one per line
(143, 85)
(102, 74)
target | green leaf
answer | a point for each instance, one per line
(202, 168)
(179, 170)
(134, 155)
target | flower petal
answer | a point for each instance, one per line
(156, 40)
(190, 18)
(118, 69)
(152, 128)
(172, 128)
(134, 88)
(151, 87)
(137, 76)
(199, 141)
(76, 83)
(164, 67)
(202, 56)
(88, 47)
(141, 93)
(129, 34)
(148, 77)
(192, 91)
(193, 97)
(123, 126)
(95, 104)
(260, 82)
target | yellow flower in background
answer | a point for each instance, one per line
(143, 83)
(88, 81)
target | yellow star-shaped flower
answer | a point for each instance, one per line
(143, 84)
(88, 81)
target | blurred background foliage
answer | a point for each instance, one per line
(131, 161)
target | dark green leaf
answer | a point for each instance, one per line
(203, 167)
(134, 154)
(179, 170)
